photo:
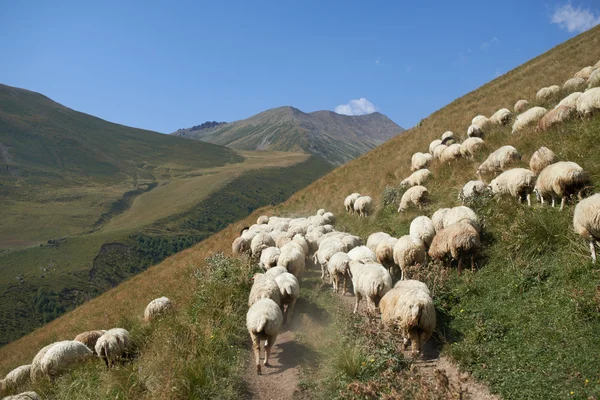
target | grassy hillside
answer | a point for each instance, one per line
(526, 322)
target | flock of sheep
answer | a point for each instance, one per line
(57, 358)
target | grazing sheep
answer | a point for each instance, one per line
(409, 251)
(328, 218)
(363, 253)
(556, 116)
(412, 284)
(293, 259)
(416, 178)
(456, 240)
(447, 137)
(433, 145)
(437, 219)
(62, 356)
(273, 272)
(363, 206)
(268, 258)
(501, 117)
(156, 308)
(517, 182)
(541, 159)
(261, 241)
(570, 100)
(521, 106)
(589, 102)
(328, 248)
(452, 152)
(374, 239)
(530, 116)
(351, 241)
(445, 217)
(480, 121)
(263, 320)
(385, 252)
(411, 309)
(24, 396)
(422, 228)
(339, 268)
(474, 131)
(349, 202)
(584, 73)
(320, 211)
(90, 338)
(498, 160)
(15, 379)
(561, 180)
(594, 79)
(420, 160)
(115, 344)
(241, 245)
(574, 85)
(36, 370)
(471, 191)
(547, 93)
(262, 220)
(416, 195)
(471, 146)
(371, 281)
(586, 221)
(289, 289)
(301, 240)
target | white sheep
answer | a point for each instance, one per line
(268, 258)
(385, 252)
(374, 239)
(533, 115)
(452, 152)
(420, 160)
(363, 206)
(541, 159)
(521, 106)
(349, 202)
(273, 272)
(416, 195)
(329, 218)
(517, 182)
(471, 146)
(501, 117)
(589, 102)
(157, 307)
(409, 307)
(115, 344)
(556, 116)
(90, 338)
(422, 227)
(474, 131)
(561, 180)
(328, 248)
(498, 160)
(24, 396)
(574, 85)
(438, 151)
(472, 190)
(339, 269)
(15, 379)
(241, 245)
(263, 320)
(584, 73)
(445, 217)
(547, 93)
(416, 178)
(351, 241)
(456, 240)
(586, 221)
(570, 100)
(433, 145)
(447, 137)
(320, 211)
(594, 79)
(289, 289)
(371, 281)
(481, 121)
(437, 219)
(62, 356)
(36, 371)
(362, 253)
(263, 219)
(293, 259)
(301, 240)
(409, 251)
(261, 241)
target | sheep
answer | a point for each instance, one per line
(541, 159)
(574, 85)
(471, 146)
(411, 309)
(517, 182)
(289, 289)
(320, 211)
(262, 220)
(589, 102)
(293, 259)
(556, 116)
(416, 178)
(90, 338)
(530, 116)
(474, 131)
(268, 258)
(433, 145)
(561, 179)
(570, 100)
(374, 239)
(349, 202)
(498, 160)
(157, 307)
(329, 218)
(409, 251)
(351, 241)
(62, 356)
(412, 284)
(385, 252)
(416, 195)
(115, 344)
(422, 227)
(437, 219)
(362, 253)
(24, 396)
(547, 93)
(15, 379)
(338, 267)
(419, 161)
(456, 240)
(363, 206)
(480, 121)
(501, 117)
(447, 137)
(452, 152)
(371, 281)
(584, 73)
(263, 320)
(521, 106)
(36, 371)
(273, 272)
(438, 151)
(594, 79)
(472, 190)
(261, 241)
(241, 245)
(300, 240)
(445, 217)
(328, 248)
(586, 221)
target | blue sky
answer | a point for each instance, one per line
(168, 65)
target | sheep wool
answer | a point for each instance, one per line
(570, 100)
(422, 227)
(157, 307)
(263, 219)
(374, 239)
(62, 356)
(339, 270)
(529, 117)
(574, 85)
(416, 178)
(385, 252)
(456, 240)
(24, 396)
(521, 106)
(261, 241)
(556, 116)
(517, 182)
(438, 151)
(586, 221)
(589, 102)
(433, 145)
(460, 214)
(371, 281)
(363, 253)
(409, 251)
(273, 272)
(263, 321)
(438, 218)
(547, 93)
(419, 161)
(90, 338)
(412, 284)
(498, 160)
(114, 345)
(481, 121)
(501, 117)
(416, 195)
(268, 258)
(328, 248)
(447, 136)
(289, 289)
(36, 371)
(452, 152)
(472, 190)
(561, 180)
(474, 131)
(541, 159)
(15, 379)
(349, 202)
(594, 79)
(584, 73)
(240, 245)
(471, 146)
(363, 206)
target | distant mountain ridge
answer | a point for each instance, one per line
(335, 137)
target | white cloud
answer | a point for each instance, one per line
(488, 44)
(378, 61)
(361, 106)
(575, 19)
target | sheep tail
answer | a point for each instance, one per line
(415, 316)
(260, 326)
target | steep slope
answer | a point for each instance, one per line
(337, 138)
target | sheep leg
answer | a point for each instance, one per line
(472, 263)
(289, 311)
(553, 202)
(358, 297)
(334, 281)
(256, 349)
(345, 287)
(529, 199)
(268, 346)
(459, 265)
(562, 202)
(322, 272)
(416, 344)
(402, 273)
(593, 250)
